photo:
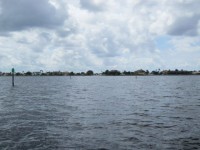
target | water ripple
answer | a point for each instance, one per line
(100, 113)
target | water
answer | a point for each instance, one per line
(160, 112)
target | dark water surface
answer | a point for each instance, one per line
(100, 113)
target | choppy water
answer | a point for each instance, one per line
(100, 113)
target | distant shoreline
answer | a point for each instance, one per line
(140, 72)
(101, 75)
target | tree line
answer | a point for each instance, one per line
(140, 72)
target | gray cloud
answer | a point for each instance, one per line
(186, 15)
(185, 26)
(91, 5)
(191, 6)
(22, 14)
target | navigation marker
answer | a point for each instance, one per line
(13, 79)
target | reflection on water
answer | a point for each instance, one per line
(100, 113)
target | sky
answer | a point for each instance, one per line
(81, 35)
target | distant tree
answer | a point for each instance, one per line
(71, 73)
(18, 74)
(106, 72)
(28, 73)
(124, 73)
(78, 74)
(89, 72)
(43, 74)
(114, 72)
(127, 73)
(139, 72)
(155, 72)
(82, 73)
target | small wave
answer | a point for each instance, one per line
(132, 139)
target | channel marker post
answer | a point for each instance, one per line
(13, 78)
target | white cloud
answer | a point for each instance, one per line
(23, 14)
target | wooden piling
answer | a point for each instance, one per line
(13, 77)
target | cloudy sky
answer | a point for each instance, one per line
(77, 35)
